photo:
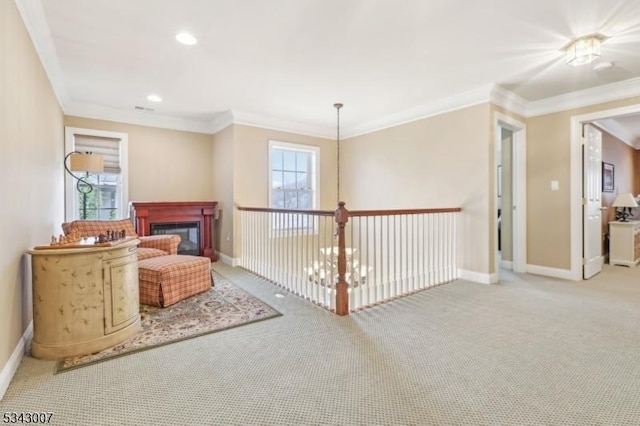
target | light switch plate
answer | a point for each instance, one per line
(555, 185)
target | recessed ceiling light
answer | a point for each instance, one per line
(186, 38)
(154, 98)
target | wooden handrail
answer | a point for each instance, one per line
(341, 216)
(354, 213)
(268, 210)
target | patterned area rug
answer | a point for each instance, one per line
(224, 306)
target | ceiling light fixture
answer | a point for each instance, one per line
(154, 98)
(186, 38)
(584, 50)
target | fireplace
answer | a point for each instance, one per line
(189, 233)
(192, 220)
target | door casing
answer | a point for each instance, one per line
(577, 121)
(519, 185)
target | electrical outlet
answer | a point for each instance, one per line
(228, 237)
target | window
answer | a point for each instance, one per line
(293, 176)
(109, 197)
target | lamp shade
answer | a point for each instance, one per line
(86, 162)
(625, 200)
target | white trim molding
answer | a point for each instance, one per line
(595, 95)
(519, 181)
(430, 109)
(565, 274)
(614, 128)
(282, 125)
(35, 21)
(10, 368)
(141, 118)
(506, 264)
(508, 100)
(222, 121)
(477, 277)
(575, 161)
(228, 260)
(70, 183)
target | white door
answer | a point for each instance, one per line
(592, 203)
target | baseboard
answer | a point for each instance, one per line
(9, 369)
(477, 277)
(506, 264)
(228, 260)
(564, 274)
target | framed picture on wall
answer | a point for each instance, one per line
(608, 175)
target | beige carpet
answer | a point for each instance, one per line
(526, 351)
(224, 306)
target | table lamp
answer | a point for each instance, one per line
(626, 201)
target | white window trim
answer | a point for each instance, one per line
(315, 171)
(315, 167)
(70, 182)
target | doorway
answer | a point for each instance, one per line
(578, 241)
(510, 195)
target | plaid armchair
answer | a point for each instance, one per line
(150, 246)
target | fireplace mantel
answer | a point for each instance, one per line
(144, 214)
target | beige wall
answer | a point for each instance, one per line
(164, 165)
(31, 152)
(623, 157)
(251, 168)
(548, 158)
(441, 161)
(223, 188)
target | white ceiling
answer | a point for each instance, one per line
(284, 63)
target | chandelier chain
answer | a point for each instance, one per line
(337, 106)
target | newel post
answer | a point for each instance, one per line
(342, 294)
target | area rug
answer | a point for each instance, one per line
(223, 307)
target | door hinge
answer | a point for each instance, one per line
(584, 261)
(584, 201)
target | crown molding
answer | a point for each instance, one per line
(508, 100)
(32, 14)
(595, 95)
(436, 107)
(141, 118)
(222, 121)
(281, 125)
(618, 131)
(34, 20)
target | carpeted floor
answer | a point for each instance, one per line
(526, 351)
(224, 306)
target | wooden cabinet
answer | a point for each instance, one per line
(84, 299)
(624, 243)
